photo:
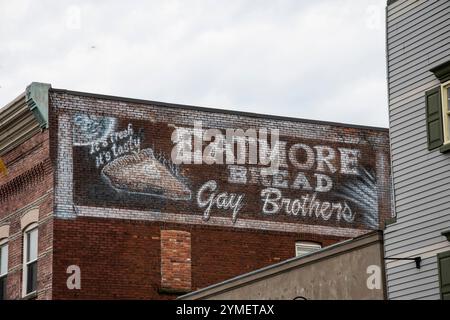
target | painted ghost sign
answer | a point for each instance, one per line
(142, 173)
(120, 165)
(167, 167)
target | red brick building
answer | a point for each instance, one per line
(110, 198)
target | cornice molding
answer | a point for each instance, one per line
(37, 101)
(442, 71)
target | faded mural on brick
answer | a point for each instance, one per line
(128, 163)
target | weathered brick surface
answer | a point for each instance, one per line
(121, 259)
(84, 184)
(29, 184)
(121, 226)
(116, 237)
(176, 260)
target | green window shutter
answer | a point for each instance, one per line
(434, 118)
(444, 274)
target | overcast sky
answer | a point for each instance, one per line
(322, 59)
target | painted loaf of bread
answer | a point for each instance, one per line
(142, 173)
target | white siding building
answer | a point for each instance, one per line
(418, 67)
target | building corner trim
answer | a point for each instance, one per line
(37, 101)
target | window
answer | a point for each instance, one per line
(305, 247)
(444, 274)
(3, 268)
(438, 110)
(445, 95)
(437, 102)
(30, 253)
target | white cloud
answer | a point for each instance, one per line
(309, 59)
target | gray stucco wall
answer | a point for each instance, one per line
(338, 272)
(418, 38)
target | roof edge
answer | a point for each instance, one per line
(218, 110)
(37, 101)
(389, 2)
(24, 116)
(252, 276)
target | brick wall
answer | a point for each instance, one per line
(112, 202)
(117, 222)
(122, 259)
(28, 185)
(96, 170)
(176, 260)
